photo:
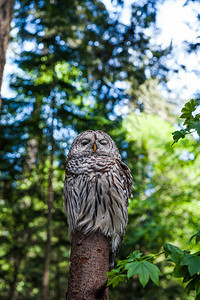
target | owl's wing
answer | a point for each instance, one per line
(128, 177)
(70, 202)
(77, 189)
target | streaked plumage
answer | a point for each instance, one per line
(97, 187)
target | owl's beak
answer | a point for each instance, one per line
(94, 147)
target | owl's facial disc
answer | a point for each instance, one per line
(93, 143)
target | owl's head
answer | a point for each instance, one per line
(93, 143)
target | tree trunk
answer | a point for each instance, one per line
(58, 294)
(89, 263)
(18, 257)
(46, 274)
(6, 11)
(13, 287)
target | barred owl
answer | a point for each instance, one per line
(97, 187)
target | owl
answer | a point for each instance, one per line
(97, 187)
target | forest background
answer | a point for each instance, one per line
(86, 69)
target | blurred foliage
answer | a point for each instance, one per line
(90, 66)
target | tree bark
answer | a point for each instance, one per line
(6, 11)
(89, 263)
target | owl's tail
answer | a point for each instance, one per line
(115, 242)
(111, 260)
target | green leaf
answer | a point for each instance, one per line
(121, 263)
(136, 255)
(185, 116)
(197, 117)
(187, 278)
(197, 285)
(194, 284)
(195, 125)
(174, 252)
(177, 135)
(180, 271)
(189, 107)
(116, 280)
(197, 236)
(145, 270)
(187, 111)
(190, 286)
(113, 272)
(193, 263)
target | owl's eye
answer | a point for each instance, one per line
(103, 142)
(85, 142)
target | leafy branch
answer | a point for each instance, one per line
(187, 266)
(192, 122)
(135, 264)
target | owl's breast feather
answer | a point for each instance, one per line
(95, 166)
(91, 164)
